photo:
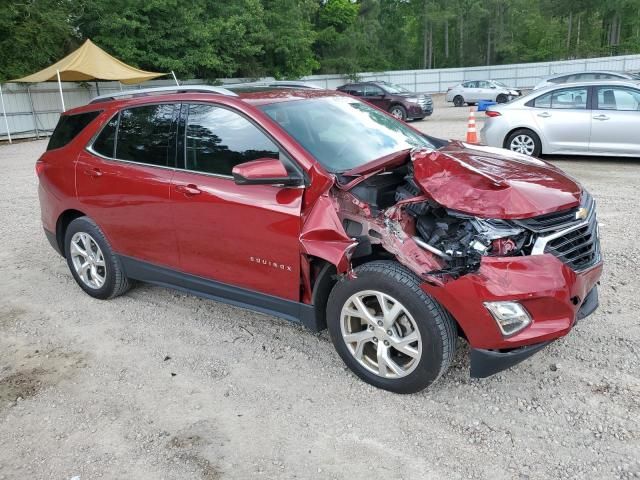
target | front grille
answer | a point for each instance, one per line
(572, 239)
(425, 102)
(559, 220)
(579, 248)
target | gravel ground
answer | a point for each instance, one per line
(158, 384)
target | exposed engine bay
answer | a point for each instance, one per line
(388, 209)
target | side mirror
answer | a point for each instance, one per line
(264, 171)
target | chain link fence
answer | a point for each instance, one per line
(33, 110)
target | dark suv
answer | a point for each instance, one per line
(319, 208)
(398, 101)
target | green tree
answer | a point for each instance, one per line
(34, 34)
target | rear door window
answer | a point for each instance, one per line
(373, 91)
(622, 99)
(571, 98)
(357, 90)
(105, 143)
(68, 128)
(218, 139)
(147, 135)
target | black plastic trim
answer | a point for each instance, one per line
(279, 307)
(51, 237)
(485, 363)
(589, 304)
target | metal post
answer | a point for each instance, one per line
(60, 88)
(33, 113)
(97, 88)
(174, 78)
(4, 113)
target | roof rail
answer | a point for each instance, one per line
(163, 90)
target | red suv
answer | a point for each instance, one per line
(316, 207)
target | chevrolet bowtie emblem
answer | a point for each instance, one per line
(582, 213)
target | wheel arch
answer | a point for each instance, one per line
(62, 224)
(396, 103)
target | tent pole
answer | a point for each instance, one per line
(4, 112)
(174, 78)
(60, 88)
(33, 113)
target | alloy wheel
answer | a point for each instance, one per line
(381, 334)
(397, 112)
(523, 144)
(88, 260)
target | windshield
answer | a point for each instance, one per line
(343, 133)
(393, 88)
(500, 84)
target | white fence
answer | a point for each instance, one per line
(33, 110)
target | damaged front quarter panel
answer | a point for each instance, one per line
(323, 235)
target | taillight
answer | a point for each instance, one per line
(39, 167)
(491, 113)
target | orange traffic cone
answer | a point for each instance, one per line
(472, 136)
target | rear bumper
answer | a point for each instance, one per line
(552, 293)
(494, 131)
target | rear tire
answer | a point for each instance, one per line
(94, 266)
(399, 112)
(458, 101)
(524, 141)
(404, 350)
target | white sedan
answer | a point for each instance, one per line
(594, 118)
(475, 90)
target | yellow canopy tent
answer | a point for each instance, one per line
(89, 62)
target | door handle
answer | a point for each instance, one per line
(93, 172)
(544, 115)
(601, 117)
(188, 190)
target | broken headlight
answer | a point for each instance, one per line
(462, 240)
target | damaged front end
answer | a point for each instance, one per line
(387, 213)
(507, 245)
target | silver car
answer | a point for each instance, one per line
(595, 118)
(590, 76)
(473, 91)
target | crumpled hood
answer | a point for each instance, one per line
(493, 183)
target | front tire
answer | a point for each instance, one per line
(388, 331)
(94, 266)
(399, 112)
(524, 141)
(502, 98)
(458, 101)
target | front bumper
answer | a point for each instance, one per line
(416, 111)
(554, 295)
(485, 363)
